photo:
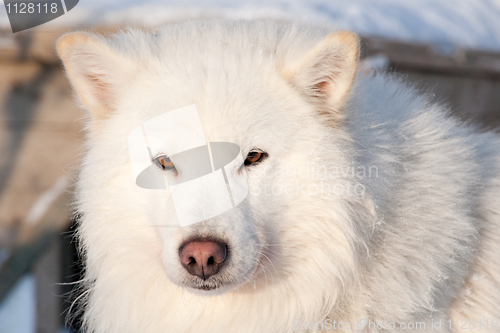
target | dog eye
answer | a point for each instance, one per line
(164, 162)
(255, 157)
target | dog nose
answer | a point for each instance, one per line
(203, 258)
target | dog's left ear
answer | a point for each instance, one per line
(96, 70)
(326, 74)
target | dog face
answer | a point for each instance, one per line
(279, 109)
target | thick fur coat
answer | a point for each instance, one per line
(372, 208)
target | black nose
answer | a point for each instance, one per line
(203, 258)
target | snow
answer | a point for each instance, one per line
(465, 23)
(17, 310)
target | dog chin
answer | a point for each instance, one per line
(221, 285)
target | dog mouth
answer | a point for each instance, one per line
(223, 282)
(205, 287)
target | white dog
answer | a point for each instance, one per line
(368, 208)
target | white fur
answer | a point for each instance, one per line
(415, 241)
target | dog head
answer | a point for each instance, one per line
(277, 94)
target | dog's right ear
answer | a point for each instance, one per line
(95, 69)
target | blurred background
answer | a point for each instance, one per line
(450, 49)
